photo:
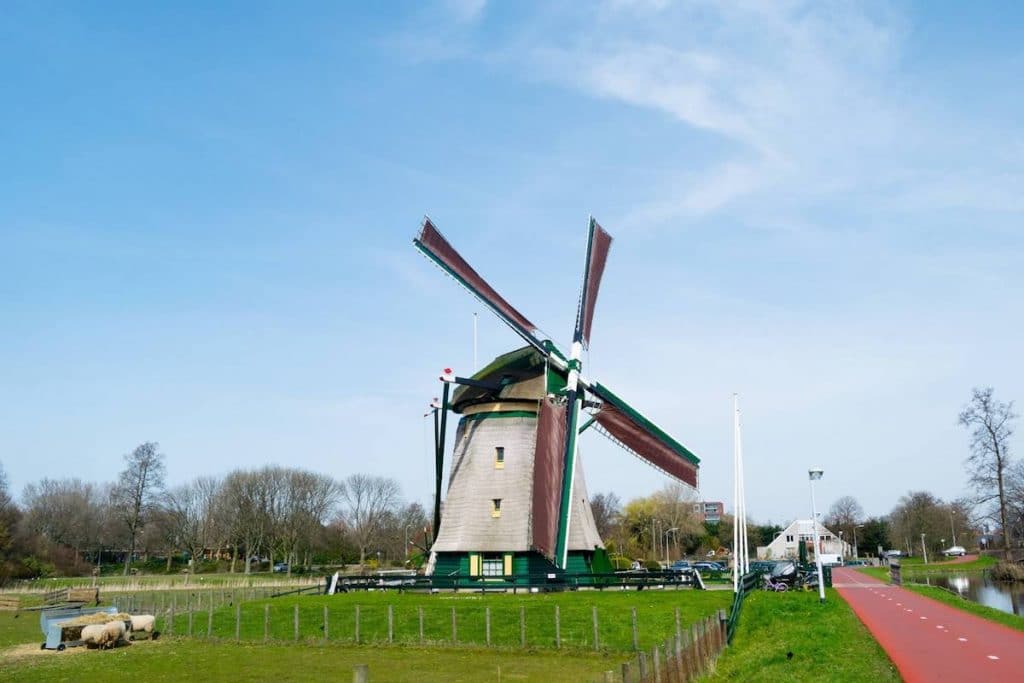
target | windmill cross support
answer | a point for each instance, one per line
(555, 410)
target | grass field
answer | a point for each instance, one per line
(178, 660)
(275, 618)
(469, 659)
(827, 641)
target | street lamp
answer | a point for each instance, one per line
(842, 548)
(924, 549)
(672, 531)
(407, 543)
(952, 528)
(856, 552)
(814, 474)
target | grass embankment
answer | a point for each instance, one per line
(953, 600)
(827, 641)
(915, 566)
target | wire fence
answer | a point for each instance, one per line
(243, 616)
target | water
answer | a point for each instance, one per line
(1007, 596)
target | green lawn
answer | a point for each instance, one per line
(655, 618)
(827, 641)
(178, 659)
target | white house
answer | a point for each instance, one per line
(786, 544)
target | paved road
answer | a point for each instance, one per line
(930, 641)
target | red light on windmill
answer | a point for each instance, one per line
(448, 375)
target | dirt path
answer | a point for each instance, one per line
(929, 641)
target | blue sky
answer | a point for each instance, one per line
(207, 216)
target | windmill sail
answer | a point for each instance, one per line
(623, 424)
(548, 475)
(431, 242)
(597, 254)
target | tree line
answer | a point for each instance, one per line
(244, 520)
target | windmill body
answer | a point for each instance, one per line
(517, 502)
(486, 526)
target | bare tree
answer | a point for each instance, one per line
(136, 490)
(367, 500)
(606, 508)
(844, 515)
(919, 512)
(192, 513)
(64, 511)
(245, 500)
(991, 425)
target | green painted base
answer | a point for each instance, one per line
(519, 568)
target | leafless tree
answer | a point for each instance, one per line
(991, 425)
(65, 511)
(844, 515)
(191, 511)
(606, 508)
(244, 501)
(367, 499)
(919, 512)
(135, 494)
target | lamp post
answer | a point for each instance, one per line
(407, 543)
(814, 474)
(856, 551)
(952, 528)
(842, 548)
(672, 531)
(924, 550)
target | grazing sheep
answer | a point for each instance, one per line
(144, 623)
(115, 631)
(95, 635)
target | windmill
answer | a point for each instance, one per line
(517, 499)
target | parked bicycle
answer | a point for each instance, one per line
(777, 586)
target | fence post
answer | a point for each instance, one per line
(636, 633)
(698, 656)
(679, 628)
(643, 666)
(627, 672)
(391, 623)
(190, 623)
(326, 626)
(609, 677)
(597, 637)
(238, 621)
(295, 622)
(421, 623)
(209, 621)
(558, 628)
(522, 626)
(656, 660)
(723, 627)
(487, 624)
(170, 621)
(361, 673)
(266, 623)
(455, 632)
(357, 624)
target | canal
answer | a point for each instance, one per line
(1007, 596)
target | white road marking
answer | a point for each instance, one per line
(962, 640)
(993, 657)
(924, 618)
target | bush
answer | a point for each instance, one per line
(652, 565)
(1007, 571)
(619, 562)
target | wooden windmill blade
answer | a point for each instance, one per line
(598, 244)
(432, 243)
(637, 434)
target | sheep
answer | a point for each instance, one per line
(115, 631)
(144, 623)
(95, 635)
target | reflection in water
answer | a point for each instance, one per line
(1002, 595)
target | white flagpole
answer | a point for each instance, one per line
(736, 550)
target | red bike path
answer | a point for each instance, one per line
(930, 641)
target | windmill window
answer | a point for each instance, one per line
(495, 507)
(789, 539)
(493, 566)
(499, 457)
